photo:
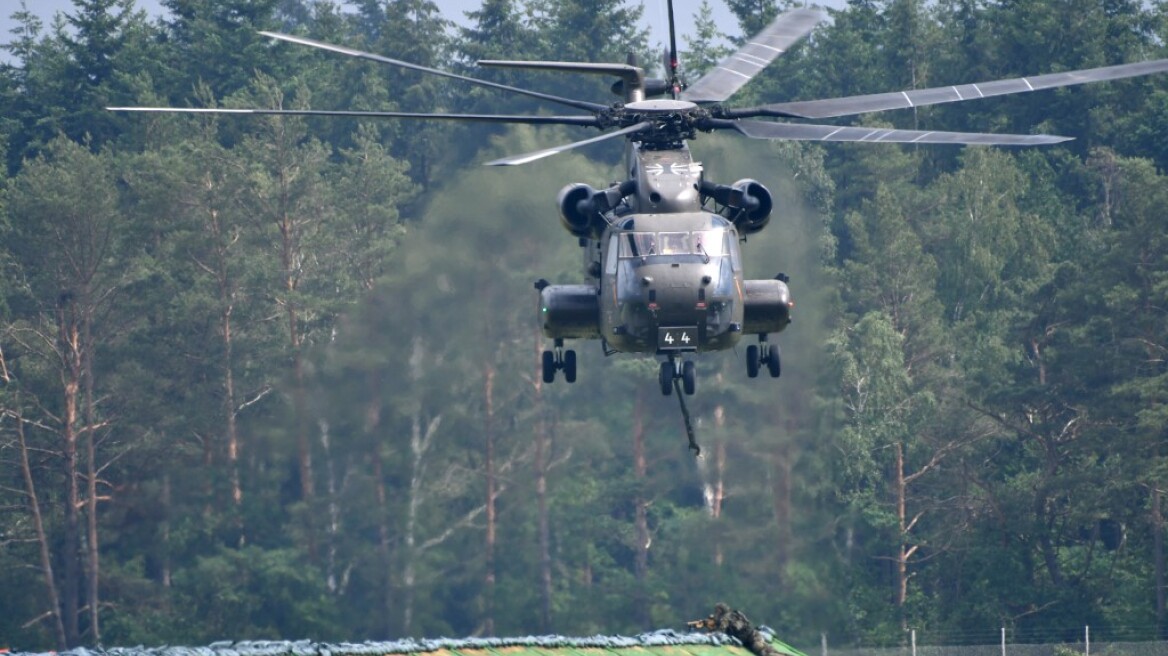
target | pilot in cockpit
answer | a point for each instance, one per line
(675, 243)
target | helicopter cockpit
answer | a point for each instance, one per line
(719, 240)
(666, 276)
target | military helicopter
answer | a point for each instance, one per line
(663, 268)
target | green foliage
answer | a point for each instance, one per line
(254, 593)
(703, 50)
(280, 332)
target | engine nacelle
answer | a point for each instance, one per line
(569, 311)
(582, 208)
(756, 205)
(748, 203)
(767, 306)
(577, 211)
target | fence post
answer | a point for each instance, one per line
(913, 639)
(1086, 640)
(823, 644)
(1003, 641)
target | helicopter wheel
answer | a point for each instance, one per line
(549, 366)
(689, 378)
(774, 361)
(569, 366)
(665, 377)
(752, 361)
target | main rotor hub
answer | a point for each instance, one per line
(673, 121)
(661, 106)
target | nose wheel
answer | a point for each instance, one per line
(559, 359)
(675, 369)
(763, 353)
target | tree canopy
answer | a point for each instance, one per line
(278, 377)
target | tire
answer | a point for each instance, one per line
(549, 366)
(689, 378)
(774, 361)
(665, 377)
(752, 361)
(570, 366)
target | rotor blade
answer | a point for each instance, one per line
(812, 132)
(587, 121)
(739, 68)
(876, 102)
(539, 154)
(630, 74)
(578, 104)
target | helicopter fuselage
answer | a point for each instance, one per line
(664, 273)
(666, 283)
(671, 283)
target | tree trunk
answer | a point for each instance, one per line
(303, 448)
(229, 418)
(69, 348)
(718, 494)
(384, 551)
(419, 444)
(167, 509)
(545, 552)
(290, 256)
(489, 434)
(902, 552)
(781, 501)
(541, 455)
(383, 542)
(902, 570)
(411, 538)
(93, 562)
(218, 268)
(1158, 558)
(334, 511)
(42, 539)
(641, 549)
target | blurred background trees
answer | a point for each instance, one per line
(268, 378)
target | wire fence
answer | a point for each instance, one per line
(1079, 649)
(1084, 645)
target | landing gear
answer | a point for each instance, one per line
(549, 366)
(674, 368)
(560, 360)
(689, 377)
(569, 366)
(764, 353)
(774, 361)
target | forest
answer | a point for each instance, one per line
(278, 378)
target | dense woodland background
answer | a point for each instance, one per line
(270, 378)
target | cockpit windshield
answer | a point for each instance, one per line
(675, 243)
(702, 244)
(638, 244)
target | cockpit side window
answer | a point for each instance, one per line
(638, 244)
(646, 243)
(732, 249)
(710, 243)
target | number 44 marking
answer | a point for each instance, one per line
(678, 338)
